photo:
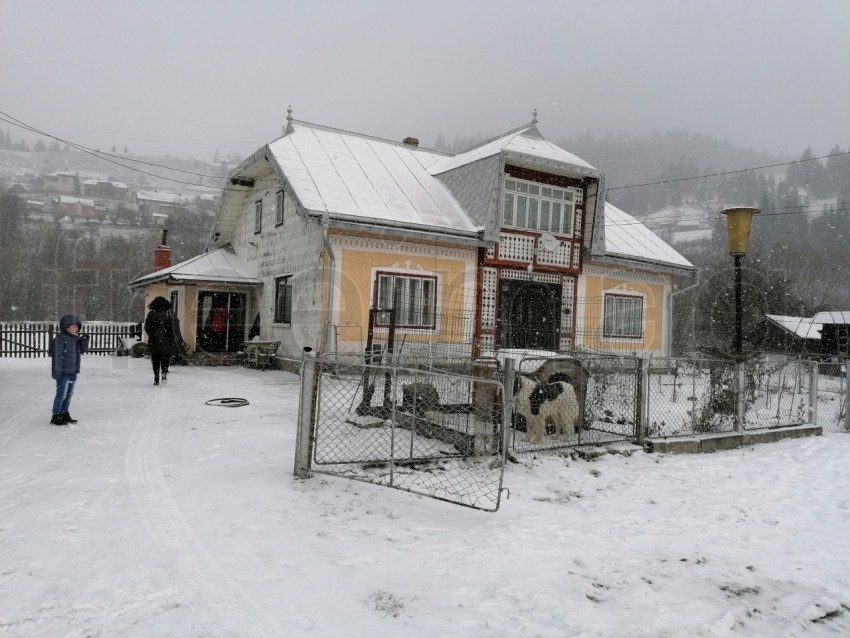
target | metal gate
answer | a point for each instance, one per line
(430, 433)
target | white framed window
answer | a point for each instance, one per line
(278, 208)
(413, 297)
(283, 299)
(540, 207)
(258, 216)
(623, 317)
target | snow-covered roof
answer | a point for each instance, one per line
(685, 236)
(361, 178)
(68, 199)
(833, 316)
(164, 197)
(94, 182)
(628, 238)
(220, 265)
(526, 141)
(799, 326)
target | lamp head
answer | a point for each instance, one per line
(739, 220)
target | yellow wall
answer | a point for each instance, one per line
(356, 270)
(186, 311)
(590, 313)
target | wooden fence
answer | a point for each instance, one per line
(32, 338)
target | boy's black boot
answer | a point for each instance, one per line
(58, 420)
(68, 418)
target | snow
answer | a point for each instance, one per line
(832, 316)
(158, 515)
(354, 176)
(627, 237)
(526, 142)
(220, 265)
(800, 326)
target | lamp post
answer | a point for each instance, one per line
(739, 220)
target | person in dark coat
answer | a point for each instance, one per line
(66, 350)
(159, 326)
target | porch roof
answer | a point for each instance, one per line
(219, 266)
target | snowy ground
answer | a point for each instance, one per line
(158, 515)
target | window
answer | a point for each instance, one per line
(623, 317)
(412, 297)
(278, 209)
(533, 206)
(258, 216)
(283, 300)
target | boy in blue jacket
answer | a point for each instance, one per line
(66, 349)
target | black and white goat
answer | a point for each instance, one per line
(539, 403)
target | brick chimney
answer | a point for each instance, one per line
(162, 253)
(410, 141)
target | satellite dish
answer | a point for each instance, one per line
(549, 242)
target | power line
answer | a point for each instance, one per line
(106, 157)
(9, 119)
(702, 215)
(742, 170)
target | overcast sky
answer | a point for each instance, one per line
(189, 77)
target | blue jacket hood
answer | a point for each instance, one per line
(70, 320)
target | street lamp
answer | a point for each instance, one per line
(739, 220)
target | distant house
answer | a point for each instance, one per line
(104, 189)
(60, 182)
(160, 202)
(77, 207)
(329, 237)
(827, 333)
(18, 189)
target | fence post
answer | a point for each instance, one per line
(813, 392)
(846, 391)
(305, 416)
(642, 402)
(740, 396)
(507, 401)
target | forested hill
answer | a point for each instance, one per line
(636, 159)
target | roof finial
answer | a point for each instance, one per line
(534, 116)
(289, 113)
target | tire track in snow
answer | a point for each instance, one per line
(163, 519)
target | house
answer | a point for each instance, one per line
(60, 182)
(162, 203)
(105, 189)
(337, 241)
(75, 207)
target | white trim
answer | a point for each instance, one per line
(396, 270)
(630, 275)
(617, 292)
(412, 248)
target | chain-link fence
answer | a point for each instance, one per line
(430, 433)
(606, 399)
(437, 433)
(687, 397)
(777, 393)
(832, 397)
(698, 396)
